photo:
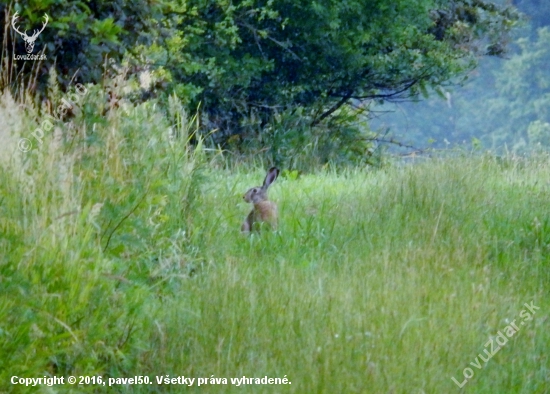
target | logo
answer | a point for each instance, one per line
(29, 40)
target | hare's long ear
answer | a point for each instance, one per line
(272, 174)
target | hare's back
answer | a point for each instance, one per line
(267, 210)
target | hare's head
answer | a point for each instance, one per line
(259, 193)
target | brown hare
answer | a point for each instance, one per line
(264, 211)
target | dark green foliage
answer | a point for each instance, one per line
(244, 63)
(290, 141)
(79, 37)
(250, 60)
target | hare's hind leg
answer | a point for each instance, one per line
(246, 227)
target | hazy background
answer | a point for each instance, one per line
(504, 104)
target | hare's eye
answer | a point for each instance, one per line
(255, 190)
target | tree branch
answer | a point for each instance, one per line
(331, 110)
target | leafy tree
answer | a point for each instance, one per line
(247, 62)
(79, 36)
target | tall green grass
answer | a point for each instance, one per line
(120, 255)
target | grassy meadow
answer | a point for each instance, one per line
(121, 255)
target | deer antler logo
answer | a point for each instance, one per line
(29, 40)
